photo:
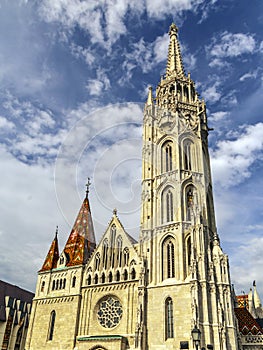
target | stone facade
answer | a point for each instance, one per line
(151, 294)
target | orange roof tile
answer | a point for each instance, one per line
(246, 322)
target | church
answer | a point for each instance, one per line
(172, 288)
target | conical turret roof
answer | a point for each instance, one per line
(52, 256)
(81, 241)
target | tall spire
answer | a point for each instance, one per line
(52, 256)
(257, 300)
(81, 241)
(174, 60)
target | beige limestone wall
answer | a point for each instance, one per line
(127, 294)
(66, 309)
(182, 316)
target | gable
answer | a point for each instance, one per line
(115, 258)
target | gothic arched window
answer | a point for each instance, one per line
(96, 279)
(118, 276)
(110, 277)
(97, 261)
(119, 250)
(103, 278)
(167, 205)
(51, 325)
(188, 254)
(112, 245)
(133, 274)
(105, 253)
(74, 281)
(169, 320)
(188, 155)
(42, 286)
(125, 275)
(89, 280)
(167, 159)
(168, 254)
(189, 202)
(126, 256)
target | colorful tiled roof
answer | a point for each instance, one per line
(81, 241)
(242, 300)
(246, 322)
(52, 256)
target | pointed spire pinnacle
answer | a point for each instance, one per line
(257, 300)
(81, 241)
(150, 97)
(52, 256)
(174, 60)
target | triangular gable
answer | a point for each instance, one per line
(117, 242)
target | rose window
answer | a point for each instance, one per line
(109, 312)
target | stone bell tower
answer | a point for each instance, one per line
(187, 274)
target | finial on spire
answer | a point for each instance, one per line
(114, 211)
(87, 187)
(173, 29)
(56, 231)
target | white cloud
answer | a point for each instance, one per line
(101, 83)
(218, 116)
(247, 263)
(211, 93)
(232, 160)
(232, 45)
(105, 21)
(249, 75)
(81, 52)
(6, 125)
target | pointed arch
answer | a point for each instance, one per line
(188, 154)
(167, 205)
(169, 319)
(74, 279)
(167, 156)
(51, 325)
(97, 262)
(89, 280)
(105, 253)
(168, 257)
(118, 276)
(190, 201)
(119, 251)
(110, 277)
(133, 274)
(112, 245)
(126, 256)
(188, 246)
(96, 279)
(125, 275)
(103, 278)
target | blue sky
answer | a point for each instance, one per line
(73, 80)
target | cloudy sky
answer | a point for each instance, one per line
(73, 80)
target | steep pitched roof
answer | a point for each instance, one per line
(246, 322)
(81, 241)
(52, 255)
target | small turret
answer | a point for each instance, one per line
(52, 256)
(257, 301)
(81, 241)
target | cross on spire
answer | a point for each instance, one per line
(88, 186)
